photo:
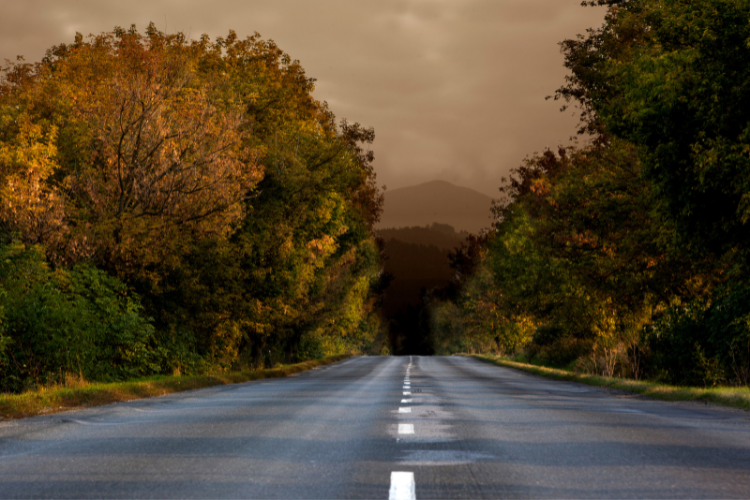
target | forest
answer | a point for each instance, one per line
(626, 253)
(174, 206)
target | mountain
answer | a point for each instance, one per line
(436, 201)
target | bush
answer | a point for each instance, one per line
(704, 342)
(61, 321)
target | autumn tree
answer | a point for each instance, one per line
(148, 148)
(205, 175)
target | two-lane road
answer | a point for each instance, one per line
(379, 427)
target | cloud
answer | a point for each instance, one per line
(454, 88)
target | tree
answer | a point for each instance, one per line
(149, 148)
(205, 176)
(670, 78)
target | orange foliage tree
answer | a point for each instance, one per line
(150, 149)
(206, 176)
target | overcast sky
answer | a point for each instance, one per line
(454, 88)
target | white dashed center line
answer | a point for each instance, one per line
(406, 428)
(402, 486)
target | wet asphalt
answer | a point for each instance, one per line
(458, 427)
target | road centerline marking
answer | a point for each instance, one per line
(406, 400)
(402, 486)
(406, 428)
(404, 410)
(407, 393)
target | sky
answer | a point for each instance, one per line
(455, 89)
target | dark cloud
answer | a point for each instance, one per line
(454, 88)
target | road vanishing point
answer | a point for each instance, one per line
(383, 427)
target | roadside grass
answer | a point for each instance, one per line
(84, 395)
(735, 397)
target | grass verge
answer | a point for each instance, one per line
(59, 399)
(735, 397)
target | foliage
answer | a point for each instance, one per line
(704, 343)
(643, 228)
(669, 77)
(204, 176)
(78, 321)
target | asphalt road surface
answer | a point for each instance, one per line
(381, 428)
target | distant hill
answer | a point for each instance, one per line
(436, 201)
(442, 236)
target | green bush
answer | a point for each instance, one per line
(62, 321)
(704, 342)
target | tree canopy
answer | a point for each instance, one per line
(205, 178)
(629, 254)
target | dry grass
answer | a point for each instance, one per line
(78, 394)
(735, 397)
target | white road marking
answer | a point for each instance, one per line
(406, 428)
(407, 386)
(402, 486)
(407, 393)
(404, 410)
(406, 400)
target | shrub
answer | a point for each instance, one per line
(704, 342)
(63, 321)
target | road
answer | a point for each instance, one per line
(383, 428)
